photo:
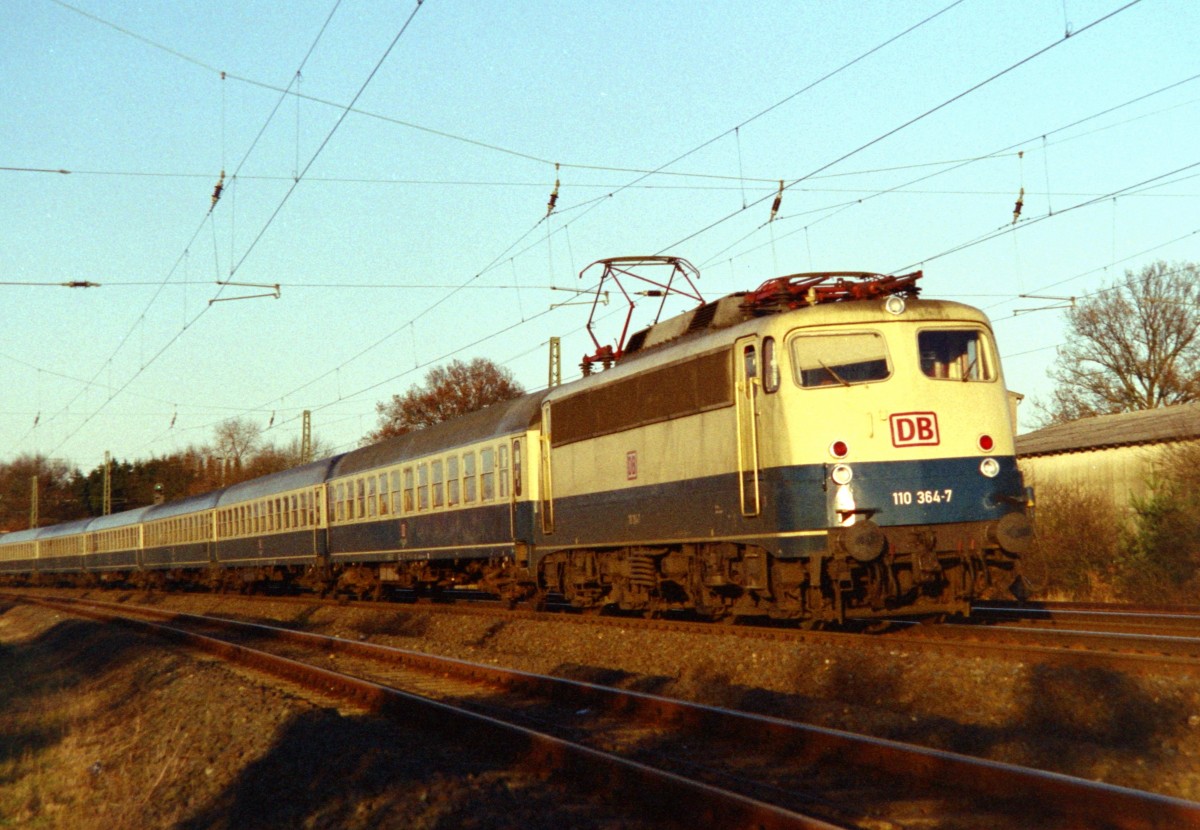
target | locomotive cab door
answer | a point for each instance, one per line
(745, 395)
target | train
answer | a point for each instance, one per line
(827, 447)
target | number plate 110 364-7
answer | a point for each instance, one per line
(904, 498)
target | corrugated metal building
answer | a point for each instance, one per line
(1116, 454)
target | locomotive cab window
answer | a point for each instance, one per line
(956, 354)
(839, 359)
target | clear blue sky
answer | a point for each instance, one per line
(438, 180)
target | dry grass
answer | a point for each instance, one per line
(101, 730)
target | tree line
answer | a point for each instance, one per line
(237, 452)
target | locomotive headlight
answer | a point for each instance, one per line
(990, 467)
(894, 305)
(841, 474)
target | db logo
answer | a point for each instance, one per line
(914, 429)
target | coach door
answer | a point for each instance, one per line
(546, 484)
(746, 374)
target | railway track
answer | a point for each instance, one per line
(1140, 640)
(1164, 621)
(705, 766)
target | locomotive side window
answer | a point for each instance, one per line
(839, 359)
(770, 379)
(750, 358)
(956, 354)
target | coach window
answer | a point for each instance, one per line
(452, 481)
(956, 355)
(770, 380)
(409, 503)
(372, 498)
(360, 488)
(517, 468)
(395, 476)
(469, 478)
(340, 502)
(487, 474)
(437, 484)
(422, 486)
(503, 454)
(824, 360)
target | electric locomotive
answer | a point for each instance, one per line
(826, 447)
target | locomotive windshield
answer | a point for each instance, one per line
(956, 354)
(839, 359)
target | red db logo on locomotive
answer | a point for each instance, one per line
(914, 429)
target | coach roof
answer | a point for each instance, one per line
(306, 475)
(493, 421)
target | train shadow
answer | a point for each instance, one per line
(1084, 722)
(59, 662)
(329, 770)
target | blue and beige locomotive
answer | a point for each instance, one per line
(826, 447)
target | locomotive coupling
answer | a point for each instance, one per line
(863, 540)
(1014, 533)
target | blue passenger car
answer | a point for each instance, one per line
(456, 490)
(61, 547)
(275, 520)
(18, 552)
(179, 534)
(115, 541)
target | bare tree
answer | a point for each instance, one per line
(1133, 346)
(449, 391)
(234, 442)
